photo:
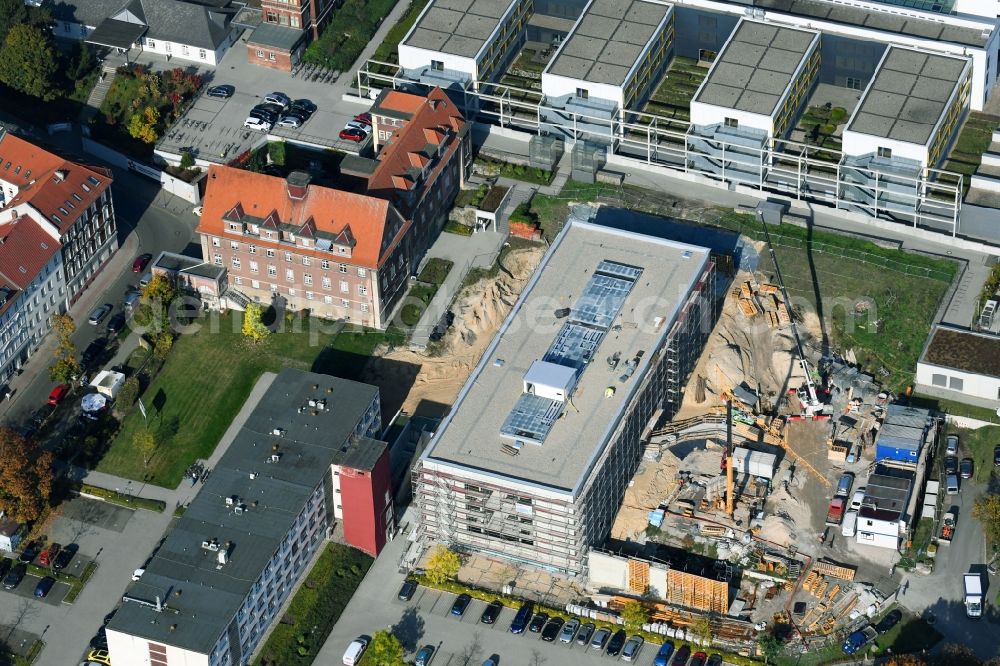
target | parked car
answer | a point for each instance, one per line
(352, 134)
(681, 656)
(662, 657)
(30, 552)
(44, 586)
(99, 313)
(65, 556)
(600, 638)
(950, 465)
(408, 589)
(551, 629)
(521, 619)
(493, 660)
(303, 107)
(15, 576)
(951, 484)
(844, 484)
(616, 643)
(632, 648)
(584, 635)
(965, 468)
(48, 555)
(714, 660)
(858, 499)
(491, 613)
(951, 445)
(290, 121)
(58, 393)
(139, 265)
(461, 603)
(146, 278)
(116, 323)
(265, 112)
(364, 118)
(537, 622)
(424, 656)
(279, 98)
(224, 91)
(569, 631)
(100, 656)
(358, 125)
(698, 659)
(352, 655)
(890, 620)
(257, 124)
(93, 351)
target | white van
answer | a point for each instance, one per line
(850, 524)
(354, 651)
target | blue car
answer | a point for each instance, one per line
(43, 587)
(424, 656)
(458, 608)
(662, 657)
(854, 642)
(520, 622)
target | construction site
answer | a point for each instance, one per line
(744, 515)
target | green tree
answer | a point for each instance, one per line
(25, 477)
(66, 365)
(187, 159)
(634, 616)
(28, 62)
(254, 329)
(443, 565)
(987, 511)
(385, 650)
(128, 393)
(164, 343)
(143, 125)
(144, 442)
(769, 646)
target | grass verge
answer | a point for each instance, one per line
(386, 51)
(315, 608)
(453, 227)
(435, 270)
(128, 501)
(207, 378)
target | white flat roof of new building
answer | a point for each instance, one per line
(908, 96)
(756, 67)
(608, 39)
(623, 292)
(458, 27)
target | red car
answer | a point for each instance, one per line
(140, 262)
(351, 134)
(365, 118)
(58, 393)
(48, 555)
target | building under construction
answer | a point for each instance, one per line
(532, 462)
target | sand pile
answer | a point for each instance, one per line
(479, 311)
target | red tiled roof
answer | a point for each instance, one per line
(434, 116)
(49, 181)
(25, 248)
(365, 222)
(401, 102)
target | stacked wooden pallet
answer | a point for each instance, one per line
(748, 307)
(834, 570)
(772, 319)
(746, 290)
(768, 289)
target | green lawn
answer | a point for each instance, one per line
(386, 52)
(209, 375)
(351, 26)
(911, 634)
(315, 608)
(435, 270)
(972, 142)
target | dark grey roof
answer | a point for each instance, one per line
(887, 493)
(458, 27)
(309, 443)
(908, 96)
(278, 36)
(201, 25)
(172, 262)
(117, 34)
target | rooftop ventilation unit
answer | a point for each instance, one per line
(240, 509)
(278, 432)
(212, 545)
(274, 457)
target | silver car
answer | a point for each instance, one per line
(569, 631)
(99, 313)
(600, 639)
(951, 445)
(632, 648)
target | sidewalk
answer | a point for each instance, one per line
(38, 364)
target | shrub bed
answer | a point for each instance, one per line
(130, 501)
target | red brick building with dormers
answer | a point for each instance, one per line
(286, 27)
(341, 254)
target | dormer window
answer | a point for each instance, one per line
(234, 226)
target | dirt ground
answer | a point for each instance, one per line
(479, 311)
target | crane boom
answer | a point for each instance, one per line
(811, 406)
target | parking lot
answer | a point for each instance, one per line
(212, 128)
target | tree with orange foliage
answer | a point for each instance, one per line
(25, 477)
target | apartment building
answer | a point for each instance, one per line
(32, 289)
(71, 201)
(303, 461)
(533, 459)
(286, 27)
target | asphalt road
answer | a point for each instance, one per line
(140, 211)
